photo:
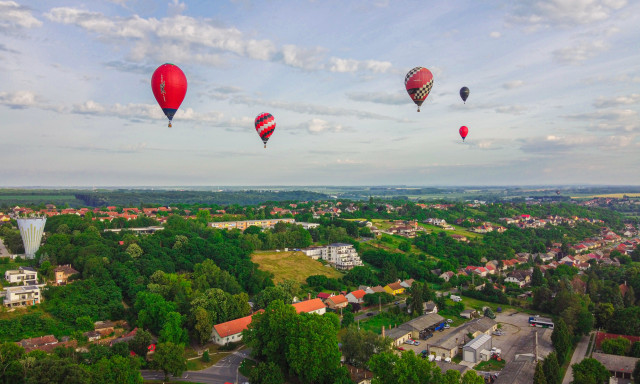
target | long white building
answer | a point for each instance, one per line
(340, 255)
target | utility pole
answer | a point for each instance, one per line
(380, 304)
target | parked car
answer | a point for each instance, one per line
(447, 326)
(428, 336)
(396, 303)
(449, 321)
(416, 342)
(370, 314)
(400, 349)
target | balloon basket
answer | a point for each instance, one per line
(169, 125)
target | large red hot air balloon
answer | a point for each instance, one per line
(463, 132)
(265, 125)
(418, 82)
(169, 86)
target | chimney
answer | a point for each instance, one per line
(309, 296)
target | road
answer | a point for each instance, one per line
(223, 371)
(4, 252)
(578, 355)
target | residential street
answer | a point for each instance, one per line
(578, 355)
(223, 371)
(4, 252)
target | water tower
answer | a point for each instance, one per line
(31, 229)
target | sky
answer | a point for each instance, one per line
(554, 92)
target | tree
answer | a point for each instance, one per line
(347, 318)
(266, 373)
(590, 371)
(618, 346)
(471, 377)
(270, 294)
(134, 250)
(407, 368)
(629, 297)
(359, 345)
(561, 339)
(116, 370)
(152, 310)
(10, 368)
(169, 358)
(55, 370)
(537, 279)
(551, 369)
(203, 324)
(635, 349)
(172, 330)
(140, 342)
(539, 377)
(636, 372)
(417, 303)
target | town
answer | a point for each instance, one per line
(469, 292)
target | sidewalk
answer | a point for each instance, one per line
(578, 354)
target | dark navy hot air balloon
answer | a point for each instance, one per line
(464, 93)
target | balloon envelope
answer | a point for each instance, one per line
(464, 93)
(418, 83)
(265, 125)
(169, 86)
(463, 132)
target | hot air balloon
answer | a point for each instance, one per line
(464, 93)
(265, 125)
(169, 86)
(463, 132)
(418, 82)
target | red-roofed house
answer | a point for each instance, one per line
(231, 331)
(356, 296)
(337, 302)
(311, 306)
(323, 296)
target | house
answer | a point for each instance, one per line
(336, 302)
(22, 276)
(620, 367)
(521, 278)
(407, 283)
(356, 296)
(45, 343)
(311, 306)
(446, 276)
(230, 331)
(92, 335)
(376, 289)
(324, 295)
(394, 288)
(22, 296)
(430, 307)
(468, 313)
(62, 274)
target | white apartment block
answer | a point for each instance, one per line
(22, 296)
(340, 255)
(22, 275)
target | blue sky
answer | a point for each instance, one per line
(555, 92)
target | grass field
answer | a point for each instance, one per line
(612, 195)
(457, 231)
(291, 266)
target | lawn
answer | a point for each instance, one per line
(491, 365)
(292, 266)
(457, 231)
(375, 323)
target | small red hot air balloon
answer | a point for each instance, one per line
(169, 86)
(265, 125)
(463, 132)
(418, 83)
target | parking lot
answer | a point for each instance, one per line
(519, 336)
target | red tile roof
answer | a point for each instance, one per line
(339, 299)
(359, 294)
(309, 305)
(395, 286)
(324, 295)
(233, 327)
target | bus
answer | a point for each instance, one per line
(542, 322)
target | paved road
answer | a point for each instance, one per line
(4, 252)
(223, 371)
(578, 355)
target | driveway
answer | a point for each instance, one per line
(578, 355)
(225, 370)
(4, 252)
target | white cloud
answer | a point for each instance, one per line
(580, 52)
(605, 102)
(624, 120)
(564, 12)
(317, 126)
(513, 84)
(201, 41)
(495, 34)
(176, 7)
(19, 99)
(13, 14)
(511, 109)
(380, 97)
(350, 65)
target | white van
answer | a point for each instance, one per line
(455, 298)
